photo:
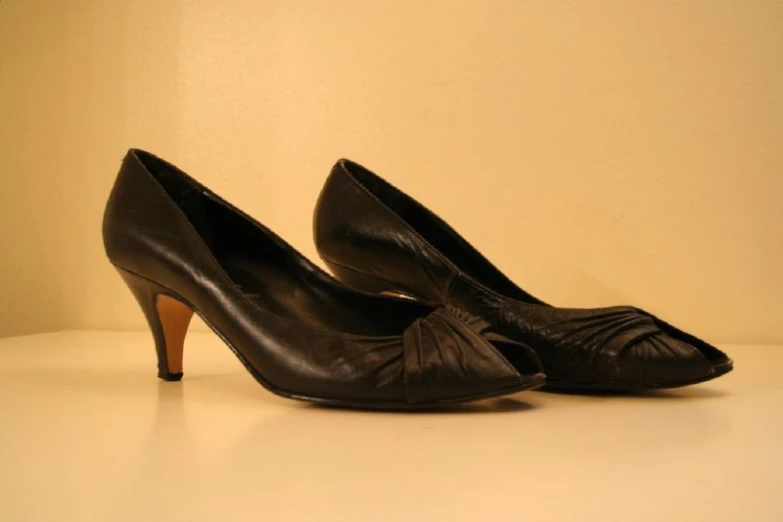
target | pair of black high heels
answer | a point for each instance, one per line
(454, 329)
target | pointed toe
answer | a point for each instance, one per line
(660, 361)
(447, 360)
(671, 357)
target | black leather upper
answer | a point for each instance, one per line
(301, 332)
(375, 237)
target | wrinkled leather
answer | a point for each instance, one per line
(159, 225)
(441, 352)
(376, 238)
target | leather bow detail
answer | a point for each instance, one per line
(447, 351)
(621, 334)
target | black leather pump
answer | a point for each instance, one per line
(374, 237)
(299, 332)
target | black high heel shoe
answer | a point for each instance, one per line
(374, 237)
(299, 332)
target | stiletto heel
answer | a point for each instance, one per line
(299, 332)
(168, 319)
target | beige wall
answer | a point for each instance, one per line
(599, 151)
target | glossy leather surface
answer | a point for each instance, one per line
(374, 237)
(300, 332)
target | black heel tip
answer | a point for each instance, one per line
(170, 376)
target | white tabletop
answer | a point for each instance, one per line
(89, 433)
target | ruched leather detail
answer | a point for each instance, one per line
(442, 354)
(618, 344)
